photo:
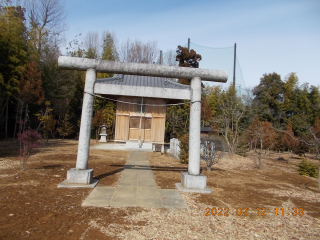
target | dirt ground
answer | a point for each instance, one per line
(246, 203)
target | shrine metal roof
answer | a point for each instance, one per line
(143, 81)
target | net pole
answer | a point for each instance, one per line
(139, 142)
(234, 65)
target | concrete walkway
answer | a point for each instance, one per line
(129, 146)
(136, 187)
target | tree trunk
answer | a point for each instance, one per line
(260, 158)
(209, 170)
(6, 129)
(319, 176)
(15, 123)
(3, 109)
(25, 118)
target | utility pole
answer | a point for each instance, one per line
(234, 65)
(160, 57)
(139, 142)
(189, 44)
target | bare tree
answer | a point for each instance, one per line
(92, 44)
(262, 132)
(47, 23)
(230, 112)
(169, 58)
(315, 133)
(211, 151)
(138, 51)
(314, 140)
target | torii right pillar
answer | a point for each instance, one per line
(193, 180)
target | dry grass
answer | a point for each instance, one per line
(33, 207)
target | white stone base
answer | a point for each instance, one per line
(80, 176)
(182, 189)
(195, 182)
(65, 184)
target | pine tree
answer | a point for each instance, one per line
(187, 58)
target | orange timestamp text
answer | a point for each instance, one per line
(253, 212)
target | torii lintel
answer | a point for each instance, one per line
(142, 69)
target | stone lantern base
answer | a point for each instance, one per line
(103, 137)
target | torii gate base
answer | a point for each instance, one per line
(193, 183)
(81, 176)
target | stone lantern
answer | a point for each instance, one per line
(103, 133)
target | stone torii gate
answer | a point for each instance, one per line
(81, 176)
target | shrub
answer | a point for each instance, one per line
(307, 168)
(212, 149)
(184, 148)
(29, 139)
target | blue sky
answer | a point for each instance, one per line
(272, 36)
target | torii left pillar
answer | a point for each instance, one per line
(81, 176)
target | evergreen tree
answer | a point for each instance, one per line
(187, 58)
(268, 96)
(13, 55)
(109, 51)
(289, 86)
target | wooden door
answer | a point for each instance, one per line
(122, 127)
(158, 128)
(134, 127)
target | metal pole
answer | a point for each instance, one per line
(189, 44)
(234, 65)
(139, 143)
(160, 57)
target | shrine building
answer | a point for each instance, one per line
(146, 120)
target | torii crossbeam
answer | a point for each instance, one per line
(84, 176)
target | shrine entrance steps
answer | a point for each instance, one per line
(137, 187)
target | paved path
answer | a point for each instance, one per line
(136, 187)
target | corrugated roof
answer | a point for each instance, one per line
(143, 81)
